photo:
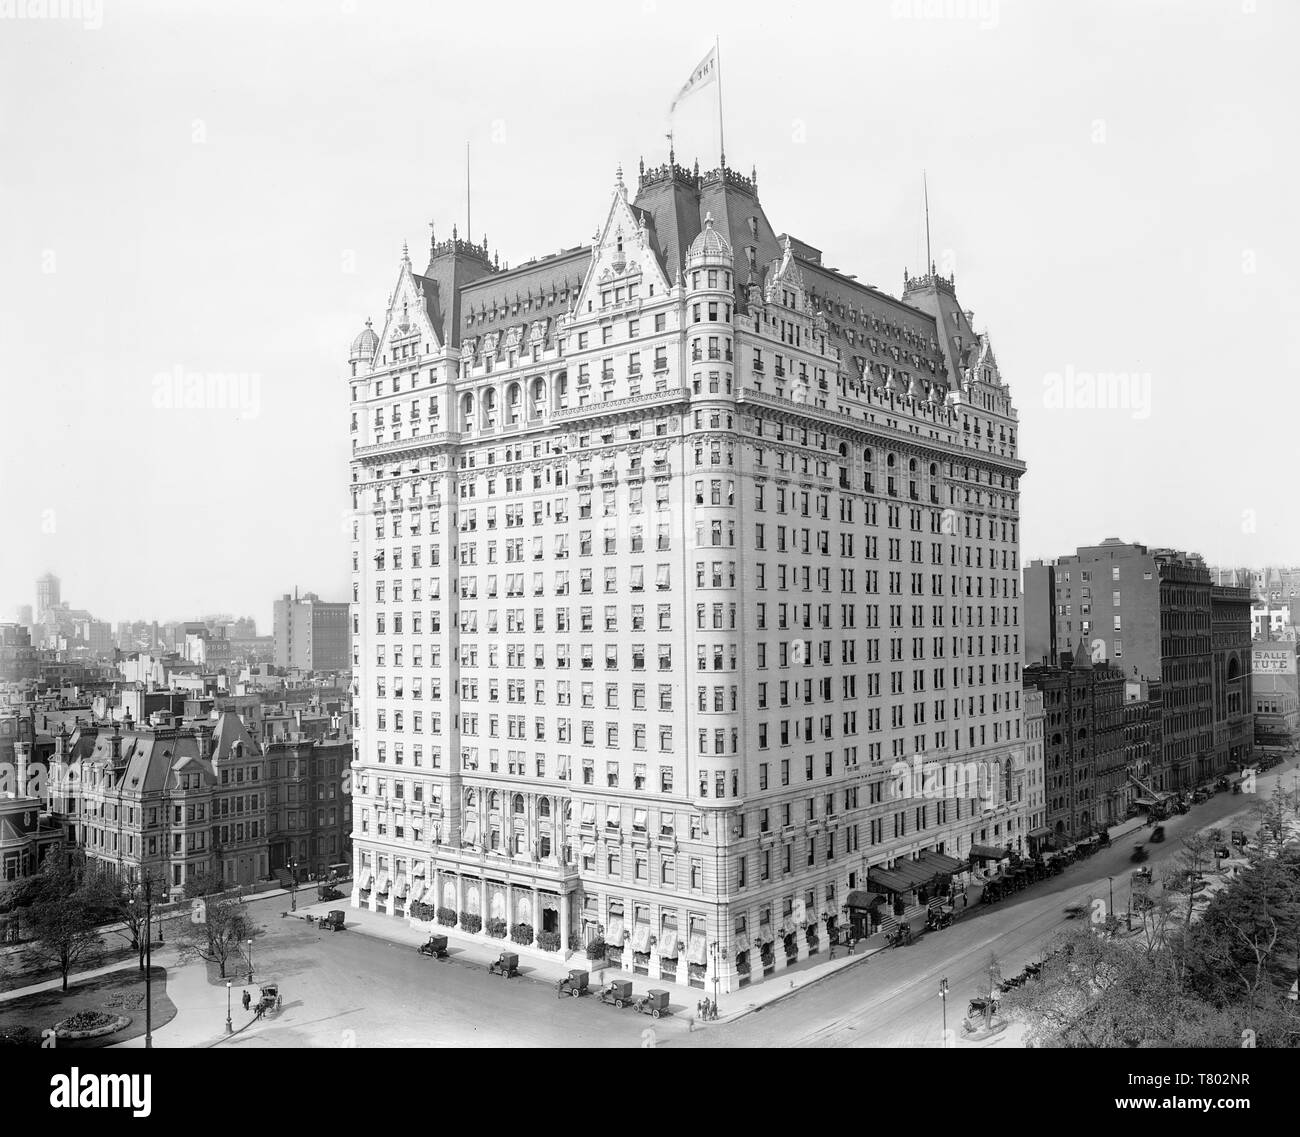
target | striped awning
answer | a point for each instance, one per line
(383, 884)
(742, 943)
(366, 879)
(667, 945)
(400, 888)
(697, 951)
(641, 936)
(614, 933)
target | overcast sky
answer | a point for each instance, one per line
(225, 188)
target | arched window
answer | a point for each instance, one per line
(467, 412)
(519, 803)
(544, 807)
(537, 399)
(911, 465)
(470, 799)
(514, 402)
(889, 461)
(494, 802)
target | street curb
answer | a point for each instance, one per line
(754, 1008)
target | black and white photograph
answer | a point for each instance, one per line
(701, 526)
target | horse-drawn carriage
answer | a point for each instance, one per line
(269, 999)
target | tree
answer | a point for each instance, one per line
(63, 915)
(1245, 948)
(1193, 860)
(217, 928)
(1275, 816)
(125, 902)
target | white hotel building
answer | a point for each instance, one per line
(666, 548)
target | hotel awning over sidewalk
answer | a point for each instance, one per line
(940, 864)
(987, 853)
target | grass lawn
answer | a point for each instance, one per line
(118, 993)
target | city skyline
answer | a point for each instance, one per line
(163, 284)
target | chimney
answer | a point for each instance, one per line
(22, 751)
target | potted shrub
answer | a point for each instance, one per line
(596, 949)
(742, 963)
(471, 923)
(522, 934)
(496, 927)
(447, 917)
(548, 941)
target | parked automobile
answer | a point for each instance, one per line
(326, 892)
(573, 984)
(506, 965)
(653, 1003)
(435, 947)
(333, 920)
(1143, 874)
(616, 991)
(1239, 838)
(1157, 834)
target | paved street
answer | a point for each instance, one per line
(347, 989)
(891, 998)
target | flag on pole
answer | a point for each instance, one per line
(702, 76)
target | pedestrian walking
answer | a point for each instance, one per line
(246, 1000)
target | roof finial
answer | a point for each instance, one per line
(455, 235)
(708, 220)
(641, 167)
(406, 253)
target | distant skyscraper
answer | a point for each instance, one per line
(311, 633)
(47, 593)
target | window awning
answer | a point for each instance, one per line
(614, 933)
(589, 849)
(612, 816)
(641, 936)
(697, 951)
(765, 933)
(471, 833)
(639, 818)
(987, 853)
(742, 943)
(367, 879)
(638, 576)
(667, 945)
(383, 884)
(400, 889)
(589, 813)
(661, 576)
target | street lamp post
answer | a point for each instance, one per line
(293, 887)
(250, 961)
(229, 1027)
(1111, 881)
(943, 999)
(148, 965)
(718, 952)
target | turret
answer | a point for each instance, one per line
(709, 296)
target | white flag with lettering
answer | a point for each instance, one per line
(702, 76)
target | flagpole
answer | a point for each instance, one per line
(722, 145)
